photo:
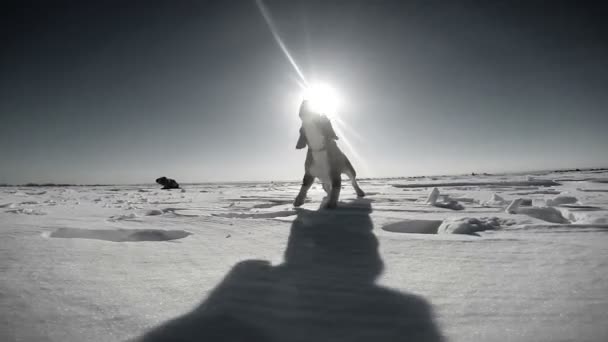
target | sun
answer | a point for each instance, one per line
(322, 98)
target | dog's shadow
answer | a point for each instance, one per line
(324, 291)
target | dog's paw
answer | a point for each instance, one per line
(331, 205)
(360, 193)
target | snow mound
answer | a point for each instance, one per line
(127, 217)
(154, 212)
(451, 204)
(588, 217)
(26, 211)
(120, 235)
(469, 226)
(447, 202)
(559, 200)
(495, 200)
(462, 225)
(548, 214)
(433, 196)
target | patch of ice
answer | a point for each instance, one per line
(265, 215)
(413, 226)
(120, 235)
(34, 193)
(464, 199)
(593, 190)
(272, 203)
(538, 192)
(535, 182)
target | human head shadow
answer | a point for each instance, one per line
(324, 291)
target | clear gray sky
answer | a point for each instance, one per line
(124, 92)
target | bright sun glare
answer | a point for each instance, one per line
(322, 98)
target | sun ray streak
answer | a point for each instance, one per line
(348, 129)
(355, 158)
(275, 33)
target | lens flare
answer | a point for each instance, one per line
(322, 99)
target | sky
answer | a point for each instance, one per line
(128, 91)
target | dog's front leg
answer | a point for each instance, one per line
(306, 184)
(334, 194)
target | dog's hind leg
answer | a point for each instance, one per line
(306, 184)
(360, 193)
(352, 175)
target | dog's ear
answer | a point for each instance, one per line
(328, 129)
(301, 140)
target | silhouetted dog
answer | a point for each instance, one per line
(324, 160)
(167, 183)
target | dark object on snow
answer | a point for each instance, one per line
(167, 183)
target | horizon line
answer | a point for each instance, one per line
(52, 184)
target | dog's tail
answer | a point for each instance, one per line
(349, 170)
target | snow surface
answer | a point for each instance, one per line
(236, 262)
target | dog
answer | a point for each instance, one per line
(324, 159)
(167, 183)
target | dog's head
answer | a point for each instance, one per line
(306, 111)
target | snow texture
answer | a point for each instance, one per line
(524, 260)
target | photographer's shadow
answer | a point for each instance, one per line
(324, 291)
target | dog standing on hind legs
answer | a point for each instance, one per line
(324, 159)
